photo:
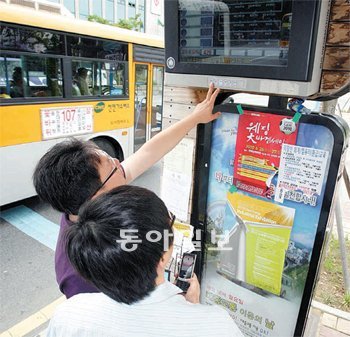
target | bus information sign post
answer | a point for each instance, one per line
(264, 177)
(262, 197)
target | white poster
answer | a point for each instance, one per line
(66, 121)
(177, 178)
(155, 7)
(301, 173)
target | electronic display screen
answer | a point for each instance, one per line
(243, 32)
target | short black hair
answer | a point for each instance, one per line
(82, 71)
(94, 244)
(67, 175)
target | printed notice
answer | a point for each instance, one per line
(301, 174)
(177, 178)
(68, 121)
(175, 192)
(266, 228)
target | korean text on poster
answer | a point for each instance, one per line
(66, 121)
(266, 232)
(177, 178)
(258, 151)
(301, 174)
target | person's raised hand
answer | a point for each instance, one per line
(203, 111)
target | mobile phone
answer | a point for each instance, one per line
(186, 271)
(167, 274)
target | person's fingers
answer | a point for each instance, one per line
(216, 115)
(192, 279)
(215, 94)
(210, 91)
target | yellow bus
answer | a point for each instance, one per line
(61, 77)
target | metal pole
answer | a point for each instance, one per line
(346, 181)
(330, 107)
(278, 102)
(342, 246)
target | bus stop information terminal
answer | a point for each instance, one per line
(264, 178)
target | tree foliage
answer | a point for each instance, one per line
(96, 18)
(134, 23)
(131, 23)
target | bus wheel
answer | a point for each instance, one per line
(111, 147)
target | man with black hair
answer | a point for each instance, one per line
(113, 245)
(82, 81)
(75, 171)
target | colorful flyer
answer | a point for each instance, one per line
(258, 151)
(267, 233)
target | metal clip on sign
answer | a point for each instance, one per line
(296, 105)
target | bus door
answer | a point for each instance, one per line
(148, 102)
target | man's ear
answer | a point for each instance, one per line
(165, 258)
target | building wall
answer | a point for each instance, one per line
(152, 11)
(155, 17)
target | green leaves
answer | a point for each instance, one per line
(133, 23)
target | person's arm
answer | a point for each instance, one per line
(165, 141)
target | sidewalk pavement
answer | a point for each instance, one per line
(36, 324)
(324, 321)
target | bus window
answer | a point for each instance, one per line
(44, 78)
(98, 78)
(82, 81)
(113, 79)
(157, 100)
(96, 48)
(7, 67)
(31, 40)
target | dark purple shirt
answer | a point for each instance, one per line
(68, 279)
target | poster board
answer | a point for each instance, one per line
(263, 198)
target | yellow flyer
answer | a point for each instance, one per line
(267, 232)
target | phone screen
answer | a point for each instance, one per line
(187, 266)
(167, 274)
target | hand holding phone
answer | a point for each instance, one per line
(194, 290)
(186, 271)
